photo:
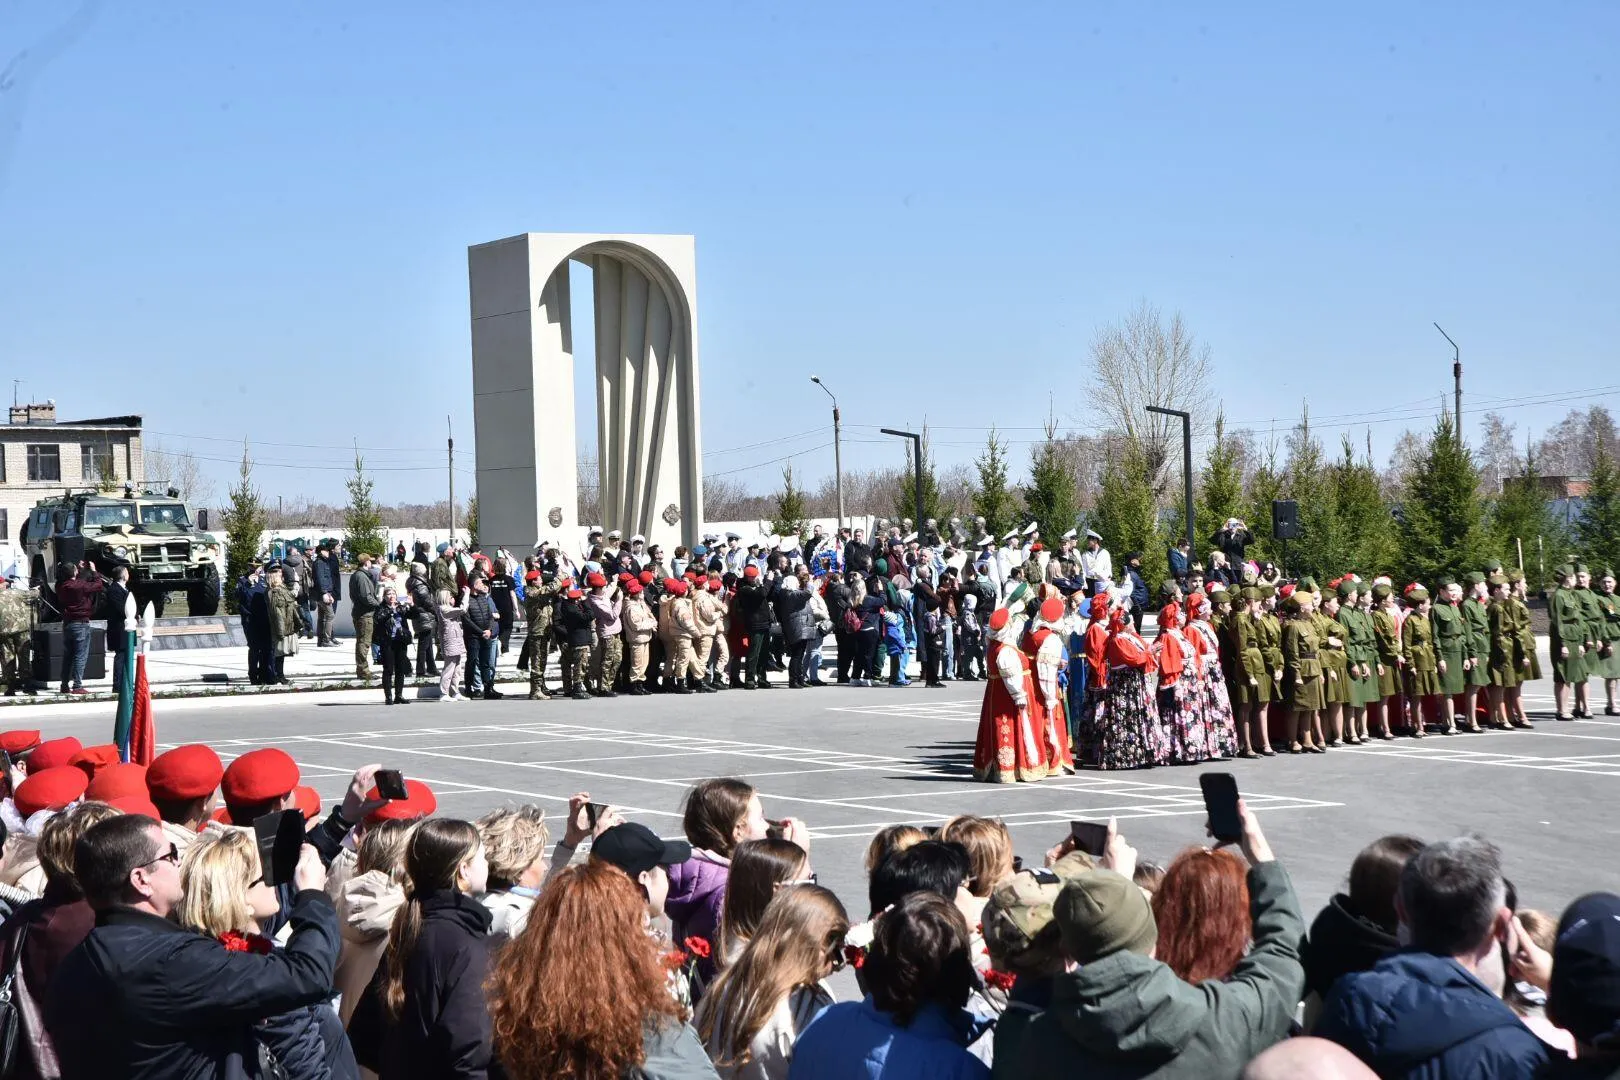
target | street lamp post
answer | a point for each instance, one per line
(1456, 375)
(916, 466)
(838, 452)
(1186, 466)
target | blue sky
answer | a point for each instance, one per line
(253, 219)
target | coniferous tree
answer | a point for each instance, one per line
(1597, 530)
(244, 522)
(1440, 527)
(1127, 514)
(1321, 543)
(471, 524)
(361, 519)
(1266, 487)
(1220, 486)
(1364, 517)
(791, 513)
(1050, 494)
(994, 500)
(906, 505)
(1521, 519)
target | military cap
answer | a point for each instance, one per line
(92, 759)
(419, 802)
(1498, 579)
(1514, 576)
(1347, 587)
(1475, 577)
(1381, 591)
(117, 781)
(1605, 573)
(53, 753)
(1445, 582)
(1249, 593)
(184, 773)
(1580, 568)
(1018, 918)
(1267, 591)
(307, 801)
(1493, 566)
(1308, 583)
(1291, 605)
(1416, 594)
(1100, 913)
(17, 743)
(259, 776)
(50, 789)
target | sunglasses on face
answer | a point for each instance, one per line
(170, 856)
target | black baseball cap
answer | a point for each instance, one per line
(635, 849)
(1584, 996)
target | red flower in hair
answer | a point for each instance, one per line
(235, 941)
(697, 946)
(1001, 980)
(855, 956)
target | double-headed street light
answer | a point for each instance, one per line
(838, 455)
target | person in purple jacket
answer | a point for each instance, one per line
(719, 815)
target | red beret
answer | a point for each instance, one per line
(574, 593)
(417, 803)
(259, 776)
(186, 772)
(625, 577)
(678, 588)
(750, 571)
(18, 742)
(532, 576)
(669, 583)
(691, 573)
(1052, 610)
(53, 754)
(50, 789)
(309, 801)
(92, 759)
(634, 588)
(117, 782)
(595, 580)
(998, 619)
(646, 577)
(135, 804)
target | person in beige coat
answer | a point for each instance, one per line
(709, 614)
(366, 908)
(640, 627)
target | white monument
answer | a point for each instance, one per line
(648, 445)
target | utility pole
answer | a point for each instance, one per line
(916, 467)
(450, 448)
(1186, 465)
(838, 453)
(1456, 375)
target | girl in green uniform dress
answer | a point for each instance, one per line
(1417, 644)
(1479, 647)
(1608, 662)
(1566, 625)
(1336, 699)
(1505, 660)
(1450, 648)
(1529, 661)
(1361, 655)
(1302, 674)
(1252, 685)
(1387, 638)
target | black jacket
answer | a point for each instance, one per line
(857, 556)
(424, 608)
(143, 997)
(574, 623)
(480, 615)
(751, 599)
(1342, 942)
(328, 577)
(113, 599)
(444, 1030)
(793, 614)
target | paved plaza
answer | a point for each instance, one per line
(849, 761)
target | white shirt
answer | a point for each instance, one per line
(1097, 564)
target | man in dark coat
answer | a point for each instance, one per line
(142, 997)
(261, 645)
(117, 594)
(1426, 1011)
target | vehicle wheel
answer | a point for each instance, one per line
(203, 599)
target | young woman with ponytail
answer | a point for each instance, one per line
(424, 1014)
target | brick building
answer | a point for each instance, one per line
(41, 456)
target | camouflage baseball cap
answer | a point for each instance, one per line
(1017, 920)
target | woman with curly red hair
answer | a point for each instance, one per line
(1202, 910)
(583, 992)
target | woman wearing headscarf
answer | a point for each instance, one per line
(1219, 729)
(1132, 736)
(1007, 750)
(1180, 697)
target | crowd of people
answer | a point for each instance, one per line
(150, 932)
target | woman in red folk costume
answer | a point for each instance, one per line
(1131, 736)
(1043, 646)
(1088, 727)
(1181, 691)
(1218, 725)
(1007, 749)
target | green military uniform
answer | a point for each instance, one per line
(1335, 658)
(1302, 664)
(1387, 638)
(1417, 644)
(1609, 610)
(539, 600)
(1504, 644)
(1271, 646)
(1476, 618)
(1248, 638)
(1528, 657)
(1361, 650)
(1451, 644)
(1567, 631)
(17, 608)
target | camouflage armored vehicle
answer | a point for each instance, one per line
(151, 532)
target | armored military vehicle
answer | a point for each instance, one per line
(150, 532)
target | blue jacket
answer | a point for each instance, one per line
(1424, 1017)
(1139, 589)
(855, 1039)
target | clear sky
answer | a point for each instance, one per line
(252, 219)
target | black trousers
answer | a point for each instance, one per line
(396, 664)
(796, 653)
(846, 652)
(865, 647)
(758, 646)
(261, 658)
(424, 655)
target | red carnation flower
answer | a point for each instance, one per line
(855, 956)
(235, 941)
(697, 946)
(1001, 980)
(674, 959)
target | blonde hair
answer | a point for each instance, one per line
(888, 841)
(58, 837)
(383, 848)
(218, 870)
(514, 839)
(989, 846)
(802, 929)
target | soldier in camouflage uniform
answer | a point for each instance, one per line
(539, 601)
(17, 607)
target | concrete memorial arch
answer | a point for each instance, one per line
(649, 448)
